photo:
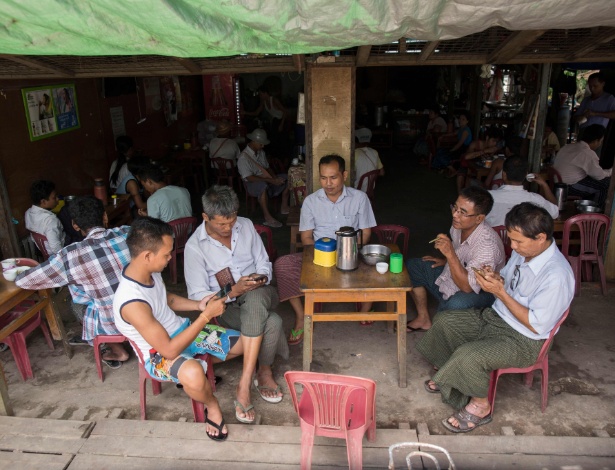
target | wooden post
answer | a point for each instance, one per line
(329, 116)
(9, 244)
(536, 143)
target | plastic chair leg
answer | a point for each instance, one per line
(98, 340)
(354, 449)
(47, 334)
(529, 379)
(198, 409)
(602, 275)
(493, 385)
(544, 388)
(307, 445)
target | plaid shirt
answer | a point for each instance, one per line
(92, 270)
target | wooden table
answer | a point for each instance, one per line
(568, 211)
(10, 296)
(365, 284)
(119, 214)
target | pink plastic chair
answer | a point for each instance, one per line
(98, 340)
(501, 230)
(542, 364)
(593, 229)
(495, 184)
(197, 408)
(371, 177)
(334, 406)
(39, 241)
(390, 234)
(17, 340)
(182, 228)
(268, 241)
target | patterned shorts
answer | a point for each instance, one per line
(213, 339)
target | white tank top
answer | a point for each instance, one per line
(276, 113)
(156, 297)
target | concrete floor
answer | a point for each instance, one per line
(582, 372)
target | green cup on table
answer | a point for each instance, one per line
(396, 264)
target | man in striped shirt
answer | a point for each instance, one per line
(450, 279)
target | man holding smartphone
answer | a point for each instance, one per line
(145, 314)
(227, 249)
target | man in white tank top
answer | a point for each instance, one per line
(144, 313)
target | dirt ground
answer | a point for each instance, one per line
(581, 381)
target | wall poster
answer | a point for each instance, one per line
(50, 110)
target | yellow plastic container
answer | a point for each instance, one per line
(324, 252)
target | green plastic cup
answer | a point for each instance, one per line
(396, 264)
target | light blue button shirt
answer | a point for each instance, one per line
(545, 285)
(204, 257)
(324, 217)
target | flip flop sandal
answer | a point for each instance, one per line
(221, 436)
(296, 337)
(262, 388)
(273, 223)
(431, 388)
(112, 364)
(244, 410)
(464, 417)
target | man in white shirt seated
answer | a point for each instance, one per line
(41, 220)
(223, 146)
(532, 293)
(227, 249)
(512, 193)
(166, 202)
(579, 166)
(366, 159)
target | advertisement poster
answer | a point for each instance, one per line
(171, 98)
(219, 97)
(50, 110)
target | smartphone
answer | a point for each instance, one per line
(260, 277)
(224, 291)
(479, 272)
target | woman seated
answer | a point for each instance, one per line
(445, 157)
(130, 185)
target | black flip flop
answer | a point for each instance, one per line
(431, 389)
(221, 436)
(409, 329)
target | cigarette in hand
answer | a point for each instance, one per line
(434, 240)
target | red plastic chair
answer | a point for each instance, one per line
(593, 230)
(17, 340)
(251, 201)
(98, 340)
(198, 408)
(224, 175)
(182, 228)
(268, 241)
(503, 233)
(371, 177)
(39, 241)
(542, 364)
(391, 233)
(334, 406)
(495, 184)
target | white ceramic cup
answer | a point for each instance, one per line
(9, 264)
(10, 274)
(530, 177)
(382, 267)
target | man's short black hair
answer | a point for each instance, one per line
(333, 157)
(514, 144)
(598, 76)
(87, 212)
(146, 233)
(482, 200)
(530, 220)
(150, 172)
(515, 168)
(592, 133)
(40, 190)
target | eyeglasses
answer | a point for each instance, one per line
(461, 212)
(514, 282)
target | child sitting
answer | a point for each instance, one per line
(41, 220)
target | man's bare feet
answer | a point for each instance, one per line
(114, 352)
(214, 414)
(418, 325)
(244, 413)
(476, 413)
(267, 387)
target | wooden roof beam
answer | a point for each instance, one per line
(37, 64)
(299, 62)
(428, 50)
(189, 65)
(592, 43)
(363, 55)
(512, 45)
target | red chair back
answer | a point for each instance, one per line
(371, 177)
(391, 233)
(593, 230)
(495, 184)
(182, 228)
(40, 240)
(334, 406)
(268, 241)
(501, 231)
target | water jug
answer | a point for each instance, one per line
(561, 194)
(348, 246)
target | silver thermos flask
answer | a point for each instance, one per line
(561, 194)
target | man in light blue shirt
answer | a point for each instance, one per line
(533, 291)
(227, 241)
(167, 202)
(323, 213)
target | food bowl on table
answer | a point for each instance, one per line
(372, 254)
(10, 274)
(589, 209)
(382, 267)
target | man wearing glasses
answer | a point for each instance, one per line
(532, 293)
(451, 280)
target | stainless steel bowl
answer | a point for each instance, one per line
(372, 254)
(585, 202)
(589, 209)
